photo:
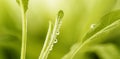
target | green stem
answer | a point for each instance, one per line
(24, 32)
(45, 49)
(51, 36)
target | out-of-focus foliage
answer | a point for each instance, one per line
(77, 21)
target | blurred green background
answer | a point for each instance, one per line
(79, 15)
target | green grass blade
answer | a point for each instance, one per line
(51, 36)
(44, 54)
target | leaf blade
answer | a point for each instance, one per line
(96, 36)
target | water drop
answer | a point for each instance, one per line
(57, 33)
(55, 41)
(51, 47)
(92, 26)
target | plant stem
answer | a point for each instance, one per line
(45, 48)
(24, 32)
(51, 36)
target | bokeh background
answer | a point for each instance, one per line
(78, 17)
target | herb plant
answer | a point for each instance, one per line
(90, 29)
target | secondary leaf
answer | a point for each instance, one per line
(105, 21)
(103, 30)
(101, 51)
(106, 51)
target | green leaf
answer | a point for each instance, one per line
(60, 14)
(105, 21)
(24, 4)
(101, 51)
(106, 51)
(45, 49)
(51, 37)
(107, 28)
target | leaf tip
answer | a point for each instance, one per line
(60, 14)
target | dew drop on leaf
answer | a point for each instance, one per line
(57, 33)
(51, 47)
(92, 26)
(55, 41)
